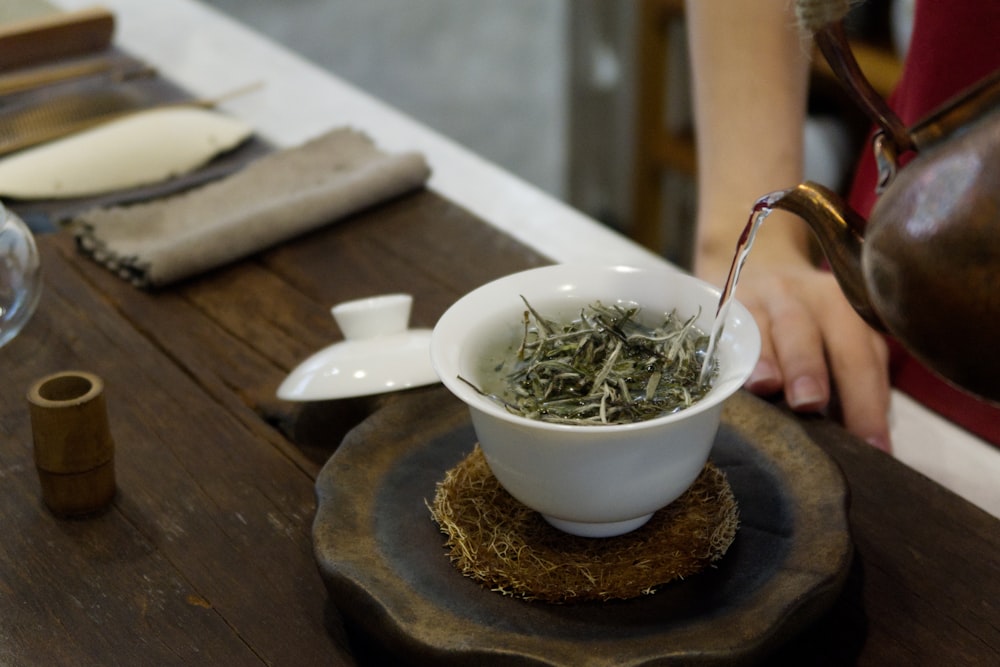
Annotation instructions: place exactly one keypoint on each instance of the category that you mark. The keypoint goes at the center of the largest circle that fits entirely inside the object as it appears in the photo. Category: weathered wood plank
(206, 555)
(925, 587)
(206, 552)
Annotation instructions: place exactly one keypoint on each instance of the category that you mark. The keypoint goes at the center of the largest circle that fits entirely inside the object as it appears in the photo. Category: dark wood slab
(205, 556)
(54, 35)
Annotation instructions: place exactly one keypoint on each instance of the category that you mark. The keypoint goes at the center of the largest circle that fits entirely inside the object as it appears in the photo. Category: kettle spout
(840, 233)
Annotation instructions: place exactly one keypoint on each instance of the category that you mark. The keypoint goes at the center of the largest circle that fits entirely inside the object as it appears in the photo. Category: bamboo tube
(73, 448)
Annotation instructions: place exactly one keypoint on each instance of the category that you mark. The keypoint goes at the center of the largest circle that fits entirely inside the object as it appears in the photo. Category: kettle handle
(824, 20)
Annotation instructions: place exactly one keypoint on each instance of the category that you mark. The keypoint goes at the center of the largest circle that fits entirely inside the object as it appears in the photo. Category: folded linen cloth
(277, 197)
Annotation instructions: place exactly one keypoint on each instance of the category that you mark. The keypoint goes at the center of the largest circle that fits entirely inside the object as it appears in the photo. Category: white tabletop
(209, 53)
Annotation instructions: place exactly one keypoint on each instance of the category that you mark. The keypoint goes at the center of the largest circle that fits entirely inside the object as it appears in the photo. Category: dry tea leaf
(606, 367)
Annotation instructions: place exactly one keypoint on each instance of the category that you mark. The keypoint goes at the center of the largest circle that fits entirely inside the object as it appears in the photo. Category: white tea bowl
(590, 480)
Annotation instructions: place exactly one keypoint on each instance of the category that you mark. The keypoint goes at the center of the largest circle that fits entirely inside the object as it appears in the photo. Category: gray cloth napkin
(277, 197)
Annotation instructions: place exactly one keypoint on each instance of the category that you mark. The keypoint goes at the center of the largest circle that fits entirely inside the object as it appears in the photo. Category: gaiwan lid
(379, 354)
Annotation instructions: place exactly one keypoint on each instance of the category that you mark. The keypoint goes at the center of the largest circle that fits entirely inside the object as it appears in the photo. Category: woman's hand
(810, 335)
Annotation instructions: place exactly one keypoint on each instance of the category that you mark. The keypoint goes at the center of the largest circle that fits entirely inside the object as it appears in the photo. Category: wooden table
(206, 555)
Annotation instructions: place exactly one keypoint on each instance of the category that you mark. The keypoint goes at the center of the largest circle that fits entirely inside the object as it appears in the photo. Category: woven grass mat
(509, 548)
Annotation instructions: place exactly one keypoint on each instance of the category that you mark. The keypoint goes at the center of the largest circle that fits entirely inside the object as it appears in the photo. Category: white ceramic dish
(379, 354)
(603, 480)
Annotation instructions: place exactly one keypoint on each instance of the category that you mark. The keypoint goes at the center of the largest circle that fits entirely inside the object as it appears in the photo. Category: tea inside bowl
(611, 364)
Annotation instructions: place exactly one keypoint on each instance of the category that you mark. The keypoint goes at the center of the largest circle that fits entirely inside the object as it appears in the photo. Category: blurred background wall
(586, 99)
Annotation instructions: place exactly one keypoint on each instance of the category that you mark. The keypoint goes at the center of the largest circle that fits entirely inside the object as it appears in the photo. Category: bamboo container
(73, 448)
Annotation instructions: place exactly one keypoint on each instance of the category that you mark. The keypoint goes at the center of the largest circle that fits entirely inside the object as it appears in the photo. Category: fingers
(859, 364)
(766, 378)
(799, 347)
(810, 338)
(792, 356)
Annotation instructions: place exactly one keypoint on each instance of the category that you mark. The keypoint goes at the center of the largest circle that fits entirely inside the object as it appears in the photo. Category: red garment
(954, 45)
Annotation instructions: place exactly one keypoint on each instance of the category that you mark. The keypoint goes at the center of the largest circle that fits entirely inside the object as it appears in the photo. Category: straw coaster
(511, 549)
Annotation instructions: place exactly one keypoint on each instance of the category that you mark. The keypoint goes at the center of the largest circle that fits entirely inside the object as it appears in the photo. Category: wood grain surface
(206, 557)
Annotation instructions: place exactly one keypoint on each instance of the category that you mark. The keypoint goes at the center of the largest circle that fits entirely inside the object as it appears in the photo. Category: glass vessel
(20, 275)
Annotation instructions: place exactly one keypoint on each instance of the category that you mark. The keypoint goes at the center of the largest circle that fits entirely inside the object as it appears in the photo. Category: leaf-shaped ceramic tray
(383, 560)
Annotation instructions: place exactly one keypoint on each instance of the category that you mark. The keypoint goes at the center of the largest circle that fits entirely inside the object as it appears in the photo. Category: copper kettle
(926, 266)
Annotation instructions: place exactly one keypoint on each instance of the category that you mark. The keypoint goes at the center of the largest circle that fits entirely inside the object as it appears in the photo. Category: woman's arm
(750, 77)
(749, 71)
